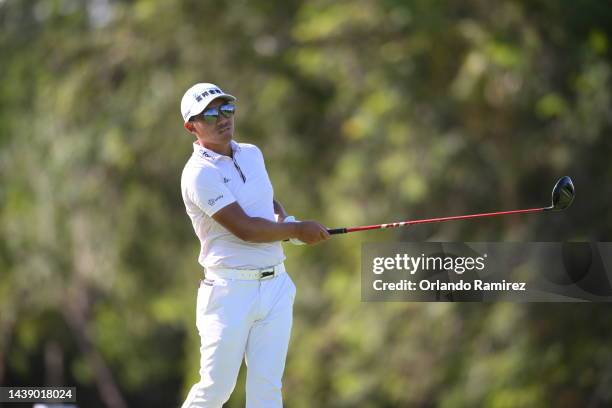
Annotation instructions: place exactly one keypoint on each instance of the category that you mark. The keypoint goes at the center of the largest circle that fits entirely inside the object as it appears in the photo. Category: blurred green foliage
(366, 111)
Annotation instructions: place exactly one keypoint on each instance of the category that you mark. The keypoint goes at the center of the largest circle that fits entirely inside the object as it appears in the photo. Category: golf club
(562, 196)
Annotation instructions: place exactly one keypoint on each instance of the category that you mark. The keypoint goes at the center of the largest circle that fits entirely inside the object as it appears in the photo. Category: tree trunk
(76, 312)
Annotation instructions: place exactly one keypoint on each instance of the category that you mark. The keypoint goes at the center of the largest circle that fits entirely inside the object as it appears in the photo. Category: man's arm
(256, 229)
(279, 210)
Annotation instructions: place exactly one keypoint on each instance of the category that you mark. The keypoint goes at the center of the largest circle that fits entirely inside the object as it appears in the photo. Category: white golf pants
(236, 319)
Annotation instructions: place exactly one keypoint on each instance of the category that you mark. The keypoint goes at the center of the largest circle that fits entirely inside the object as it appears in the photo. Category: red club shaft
(428, 220)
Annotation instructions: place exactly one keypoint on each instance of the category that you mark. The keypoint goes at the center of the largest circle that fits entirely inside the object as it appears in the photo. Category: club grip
(337, 231)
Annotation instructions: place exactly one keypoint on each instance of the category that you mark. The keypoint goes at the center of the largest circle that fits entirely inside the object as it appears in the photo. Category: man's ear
(189, 127)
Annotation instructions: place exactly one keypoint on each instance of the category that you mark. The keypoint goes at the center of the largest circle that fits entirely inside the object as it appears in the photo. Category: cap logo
(199, 96)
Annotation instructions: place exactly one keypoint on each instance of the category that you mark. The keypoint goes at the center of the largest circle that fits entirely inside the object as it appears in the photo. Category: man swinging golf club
(245, 303)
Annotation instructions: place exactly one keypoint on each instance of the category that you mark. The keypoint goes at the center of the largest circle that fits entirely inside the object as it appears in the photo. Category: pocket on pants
(205, 294)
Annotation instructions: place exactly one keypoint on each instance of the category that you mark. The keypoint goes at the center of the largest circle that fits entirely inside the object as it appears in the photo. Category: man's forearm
(256, 229)
(262, 230)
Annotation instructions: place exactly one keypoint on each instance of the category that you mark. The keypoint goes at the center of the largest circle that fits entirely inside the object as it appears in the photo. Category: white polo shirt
(209, 182)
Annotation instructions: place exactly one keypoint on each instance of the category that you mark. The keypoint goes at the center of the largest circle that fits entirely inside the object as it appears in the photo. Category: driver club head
(563, 194)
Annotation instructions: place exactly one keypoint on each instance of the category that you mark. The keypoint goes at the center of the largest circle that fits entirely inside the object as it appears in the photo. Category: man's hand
(311, 232)
(291, 218)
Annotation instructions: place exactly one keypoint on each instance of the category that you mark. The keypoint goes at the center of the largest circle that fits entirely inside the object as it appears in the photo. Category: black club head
(563, 194)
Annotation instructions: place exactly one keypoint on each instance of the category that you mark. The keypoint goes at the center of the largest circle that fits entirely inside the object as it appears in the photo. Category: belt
(245, 274)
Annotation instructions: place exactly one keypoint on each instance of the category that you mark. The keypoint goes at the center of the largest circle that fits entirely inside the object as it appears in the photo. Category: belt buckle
(266, 274)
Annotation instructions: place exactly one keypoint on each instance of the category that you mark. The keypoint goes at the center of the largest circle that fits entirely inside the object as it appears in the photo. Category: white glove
(294, 241)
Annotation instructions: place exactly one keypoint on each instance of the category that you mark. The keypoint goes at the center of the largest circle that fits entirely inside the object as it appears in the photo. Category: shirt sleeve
(208, 192)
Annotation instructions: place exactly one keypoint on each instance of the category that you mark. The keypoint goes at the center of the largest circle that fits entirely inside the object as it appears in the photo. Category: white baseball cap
(197, 98)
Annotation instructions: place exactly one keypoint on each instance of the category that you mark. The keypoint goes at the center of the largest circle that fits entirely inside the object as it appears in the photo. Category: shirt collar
(208, 154)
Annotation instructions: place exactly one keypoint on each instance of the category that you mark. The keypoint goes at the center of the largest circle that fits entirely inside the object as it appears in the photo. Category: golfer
(245, 303)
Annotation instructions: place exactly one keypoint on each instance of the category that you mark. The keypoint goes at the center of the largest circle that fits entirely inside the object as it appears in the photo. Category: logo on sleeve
(212, 201)
(226, 180)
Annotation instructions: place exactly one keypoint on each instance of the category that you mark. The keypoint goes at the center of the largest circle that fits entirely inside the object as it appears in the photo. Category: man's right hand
(311, 232)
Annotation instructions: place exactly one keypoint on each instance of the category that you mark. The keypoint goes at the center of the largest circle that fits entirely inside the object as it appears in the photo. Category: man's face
(220, 131)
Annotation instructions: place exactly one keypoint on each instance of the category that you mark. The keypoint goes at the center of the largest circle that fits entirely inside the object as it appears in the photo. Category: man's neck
(224, 149)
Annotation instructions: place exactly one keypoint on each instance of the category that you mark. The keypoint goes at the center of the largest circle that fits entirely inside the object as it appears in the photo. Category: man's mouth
(224, 129)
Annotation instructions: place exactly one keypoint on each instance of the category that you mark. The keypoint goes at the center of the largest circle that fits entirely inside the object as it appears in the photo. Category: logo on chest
(212, 201)
(226, 180)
